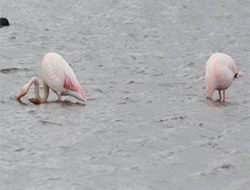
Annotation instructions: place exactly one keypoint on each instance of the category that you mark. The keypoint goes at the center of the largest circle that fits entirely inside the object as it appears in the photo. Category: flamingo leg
(224, 95)
(59, 97)
(219, 94)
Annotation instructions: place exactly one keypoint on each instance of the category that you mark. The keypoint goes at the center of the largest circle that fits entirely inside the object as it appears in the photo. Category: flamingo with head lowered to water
(57, 75)
(220, 73)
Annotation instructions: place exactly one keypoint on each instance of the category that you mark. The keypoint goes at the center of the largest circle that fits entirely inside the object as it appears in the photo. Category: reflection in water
(147, 124)
(216, 103)
(64, 103)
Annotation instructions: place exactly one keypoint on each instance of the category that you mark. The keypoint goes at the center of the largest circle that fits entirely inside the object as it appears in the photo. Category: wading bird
(57, 75)
(220, 73)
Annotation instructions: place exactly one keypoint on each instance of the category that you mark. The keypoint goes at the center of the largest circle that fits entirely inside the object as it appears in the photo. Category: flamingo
(220, 73)
(57, 75)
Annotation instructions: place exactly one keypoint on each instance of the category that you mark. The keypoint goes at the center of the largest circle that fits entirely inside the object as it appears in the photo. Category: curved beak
(19, 96)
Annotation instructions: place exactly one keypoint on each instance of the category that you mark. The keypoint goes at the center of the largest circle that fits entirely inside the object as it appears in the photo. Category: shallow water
(147, 124)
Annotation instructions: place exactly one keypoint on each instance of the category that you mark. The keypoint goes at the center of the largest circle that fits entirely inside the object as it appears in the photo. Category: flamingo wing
(71, 84)
(59, 76)
(53, 72)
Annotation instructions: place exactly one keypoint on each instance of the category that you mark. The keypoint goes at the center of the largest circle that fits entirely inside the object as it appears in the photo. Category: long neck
(209, 90)
(45, 95)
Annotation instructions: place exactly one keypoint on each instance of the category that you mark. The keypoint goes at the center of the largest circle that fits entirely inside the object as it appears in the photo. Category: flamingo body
(220, 73)
(57, 75)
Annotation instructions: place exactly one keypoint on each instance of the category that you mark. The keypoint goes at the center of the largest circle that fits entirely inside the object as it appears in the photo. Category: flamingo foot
(35, 101)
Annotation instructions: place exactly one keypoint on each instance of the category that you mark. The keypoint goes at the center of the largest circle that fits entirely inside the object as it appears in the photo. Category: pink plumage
(57, 75)
(220, 73)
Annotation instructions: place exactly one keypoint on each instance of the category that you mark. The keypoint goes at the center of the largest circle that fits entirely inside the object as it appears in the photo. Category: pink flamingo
(57, 75)
(220, 73)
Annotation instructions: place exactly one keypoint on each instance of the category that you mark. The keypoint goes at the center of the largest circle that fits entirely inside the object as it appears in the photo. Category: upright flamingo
(220, 73)
(57, 75)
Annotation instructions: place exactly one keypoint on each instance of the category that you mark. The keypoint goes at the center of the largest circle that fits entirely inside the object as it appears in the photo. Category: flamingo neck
(210, 93)
(45, 95)
(209, 89)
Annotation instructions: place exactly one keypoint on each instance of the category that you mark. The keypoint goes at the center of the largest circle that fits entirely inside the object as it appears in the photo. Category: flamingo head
(23, 92)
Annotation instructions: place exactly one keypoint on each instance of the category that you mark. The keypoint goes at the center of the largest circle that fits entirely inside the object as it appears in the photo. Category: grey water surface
(147, 124)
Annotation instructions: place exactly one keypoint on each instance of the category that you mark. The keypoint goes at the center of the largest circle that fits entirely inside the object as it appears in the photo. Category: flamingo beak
(19, 96)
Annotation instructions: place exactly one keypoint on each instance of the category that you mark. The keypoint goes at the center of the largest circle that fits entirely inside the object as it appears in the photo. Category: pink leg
(224, 95)
(59, 97)
(219, 94)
